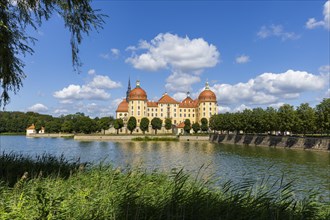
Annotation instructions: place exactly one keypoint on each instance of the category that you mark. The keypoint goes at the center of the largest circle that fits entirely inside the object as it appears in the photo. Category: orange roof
(152, 104)
(32, 127)
(137, 94)
(181, 125)
(188, 103)
(123, 106)
(166, 99)
(207, 96)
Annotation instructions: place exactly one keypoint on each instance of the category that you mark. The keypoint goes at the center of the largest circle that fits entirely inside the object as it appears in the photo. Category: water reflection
(309, 169)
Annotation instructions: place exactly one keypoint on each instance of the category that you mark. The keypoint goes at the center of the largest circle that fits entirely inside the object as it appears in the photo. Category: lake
(308, 169)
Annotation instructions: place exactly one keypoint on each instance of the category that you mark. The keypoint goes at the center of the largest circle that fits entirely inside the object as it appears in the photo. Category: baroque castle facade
(137, 104)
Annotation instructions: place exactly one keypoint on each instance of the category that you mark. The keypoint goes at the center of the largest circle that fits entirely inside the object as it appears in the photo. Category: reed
(106, 192)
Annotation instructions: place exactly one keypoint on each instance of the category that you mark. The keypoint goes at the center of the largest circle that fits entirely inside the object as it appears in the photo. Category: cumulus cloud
(104, 82)
(91, 72)
(77, 92)
(325, 69)
(242, 59)
(276, 31)
(241, 108)
(179, 96)
(38, 108)
(325, 23)
(114, 53)
(184, 57)
(224, 109)
(93, 90)
(269, 88)
(181, 82)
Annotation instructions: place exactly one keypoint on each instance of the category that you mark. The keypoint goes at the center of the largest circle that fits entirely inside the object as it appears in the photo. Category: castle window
(175, 110)
(193, 115)
(161, 114)
(138, 107)
(152, 114)
(132, 107)
(120, 114)
(152, 109)
(148, 114)
(180, 110)
(203, 103)
(138, 112)
(184, 110)
(189, 115)
(204, 114)
(174, 114)
(174, 121)
(156, 114)
(184, 115)
(161, 109)
(188, 110)
(132, 113)
(180, 115)
(210, 109)
(125, 114)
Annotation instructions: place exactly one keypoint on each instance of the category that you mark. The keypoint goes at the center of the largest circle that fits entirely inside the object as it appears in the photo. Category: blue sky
(253, 53)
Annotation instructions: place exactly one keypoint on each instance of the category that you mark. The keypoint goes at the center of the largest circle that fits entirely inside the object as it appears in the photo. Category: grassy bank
(104, 192)
(13, 133)
(147, 138)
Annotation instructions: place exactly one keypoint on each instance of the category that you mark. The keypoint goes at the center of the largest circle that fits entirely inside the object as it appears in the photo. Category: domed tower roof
(207, 95)
(123, 106)
(137, 93)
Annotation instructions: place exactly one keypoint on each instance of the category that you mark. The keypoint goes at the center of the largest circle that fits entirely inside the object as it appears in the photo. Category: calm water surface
(310, 170)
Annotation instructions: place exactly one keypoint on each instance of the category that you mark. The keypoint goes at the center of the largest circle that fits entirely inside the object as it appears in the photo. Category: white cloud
(325, 69)
(224, 109)
(77, 92)
(60, 111)
(104, 82)
(313, 23)
(115, 52)
(184, 57)
(105, 56)
(269, 88)
(91, 72)
(38, 108)
(181, 82)
(168, 50)
(241, 108)
(327, 94)
(242, 59)
(276, 31)
(277, 105)
(179, 96)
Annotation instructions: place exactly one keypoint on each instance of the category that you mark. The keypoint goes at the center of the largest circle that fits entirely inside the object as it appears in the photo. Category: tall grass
(105, 192)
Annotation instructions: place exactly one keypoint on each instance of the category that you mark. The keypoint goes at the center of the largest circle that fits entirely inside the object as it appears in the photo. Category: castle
(136, 104)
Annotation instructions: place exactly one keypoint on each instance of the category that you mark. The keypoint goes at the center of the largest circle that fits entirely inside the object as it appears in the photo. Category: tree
(144, 124)
(67, 127)
(131, 124)
(118, 124)
(104, 123)
(156, 124)
(306, 122)
(323, 116)
(168, 124)
(187, 126)
(286, 118)
(196, 127)
(16, 18)
(271, 119)
(204, 125)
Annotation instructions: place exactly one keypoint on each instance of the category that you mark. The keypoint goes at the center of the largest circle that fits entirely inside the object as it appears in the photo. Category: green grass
(147, 138)
(105, 192)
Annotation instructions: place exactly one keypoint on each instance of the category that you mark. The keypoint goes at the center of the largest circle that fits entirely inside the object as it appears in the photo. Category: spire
(188, 94)
(207, 87)
(128, 89)
(137, 83)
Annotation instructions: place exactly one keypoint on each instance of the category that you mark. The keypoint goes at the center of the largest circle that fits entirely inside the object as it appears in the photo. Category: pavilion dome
(137, 93)
(123, 106)
(207, 95)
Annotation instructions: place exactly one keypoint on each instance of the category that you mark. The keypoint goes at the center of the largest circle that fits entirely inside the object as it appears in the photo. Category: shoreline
(288, 142)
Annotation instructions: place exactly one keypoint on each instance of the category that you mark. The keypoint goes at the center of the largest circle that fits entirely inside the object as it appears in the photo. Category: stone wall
(313, 143)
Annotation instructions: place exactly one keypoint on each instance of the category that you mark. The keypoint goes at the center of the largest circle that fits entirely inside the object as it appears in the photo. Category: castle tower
(128, 89)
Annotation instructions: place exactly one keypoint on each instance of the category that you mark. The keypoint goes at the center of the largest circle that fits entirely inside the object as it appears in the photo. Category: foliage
(104, 123)
(104, 192)
(304, 120)
(144, 124)
(204, 125)
(196, 127)
(156, 124)
(168, 123)
(131, 124)
(187, 126)
(323, 116)
(16, 17)
(118, 124)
